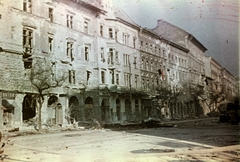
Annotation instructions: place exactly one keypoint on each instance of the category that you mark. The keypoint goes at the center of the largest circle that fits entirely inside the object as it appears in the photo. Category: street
(189, 141)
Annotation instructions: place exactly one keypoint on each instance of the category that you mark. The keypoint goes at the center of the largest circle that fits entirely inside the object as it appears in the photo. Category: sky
(215, 23)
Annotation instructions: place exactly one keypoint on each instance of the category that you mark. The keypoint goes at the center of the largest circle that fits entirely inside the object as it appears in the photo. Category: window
(116, 35)
(27, 48)
(101, 30)
(125, 38)
(134, 42)
(126, 59)
(88, 77)
(102, 54)
(50, 44)
(103, 77)
(151, 68)
(116, 57)
(141, 45)
(127, 79)
(70, 50)
(143, 84)
(146, 47)
(27, 40)
(136, 81)
(117, 79)
(50, 14)
(112, 76)
(86, 52)
(135, 62)
(110, 56)
(150, 48)
(110, 32)
(69, 21)
(27, 6)
(85, 25)
(71, 77)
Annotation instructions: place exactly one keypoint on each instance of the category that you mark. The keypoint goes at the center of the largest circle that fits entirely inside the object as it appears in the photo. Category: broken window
(50, 14)
(71, 77)
(27, 6)
(69, 21)
(110, 31)
(27, 47)
(70, 50)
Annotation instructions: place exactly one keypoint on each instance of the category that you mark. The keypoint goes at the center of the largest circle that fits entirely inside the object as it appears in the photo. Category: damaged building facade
(114, 67)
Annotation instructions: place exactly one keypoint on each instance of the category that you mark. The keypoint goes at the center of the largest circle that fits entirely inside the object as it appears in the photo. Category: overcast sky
(215, 23)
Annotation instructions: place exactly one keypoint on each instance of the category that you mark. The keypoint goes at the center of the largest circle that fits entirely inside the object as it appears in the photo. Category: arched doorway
(89, 113)
(128, 109)
(54, 111)
(74, 111)
(28, 107)
(118, 110)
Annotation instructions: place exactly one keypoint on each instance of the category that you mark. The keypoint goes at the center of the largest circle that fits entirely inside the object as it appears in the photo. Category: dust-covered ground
(194, 140)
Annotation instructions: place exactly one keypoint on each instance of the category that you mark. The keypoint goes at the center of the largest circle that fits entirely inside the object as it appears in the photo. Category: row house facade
(113, 67)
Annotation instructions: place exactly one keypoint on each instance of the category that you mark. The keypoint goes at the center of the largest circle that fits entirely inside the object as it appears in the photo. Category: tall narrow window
(69, 21)
(102, 54)
(50, 14)
(126, 59)
(50, 44)
(135, 62)
(134, 42)
(85, 24)
(88, 77)
(116, 57)
(110, 32)
(27, 6)
(102, 77)
(27, 40)
(86, 52)
(125, 38)
(113, 78)
(117, 79)
(71, 77)
(27, 48)
(101, 30)
(136, 81)
(116, 35)
(110, 56)
(70, 50)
